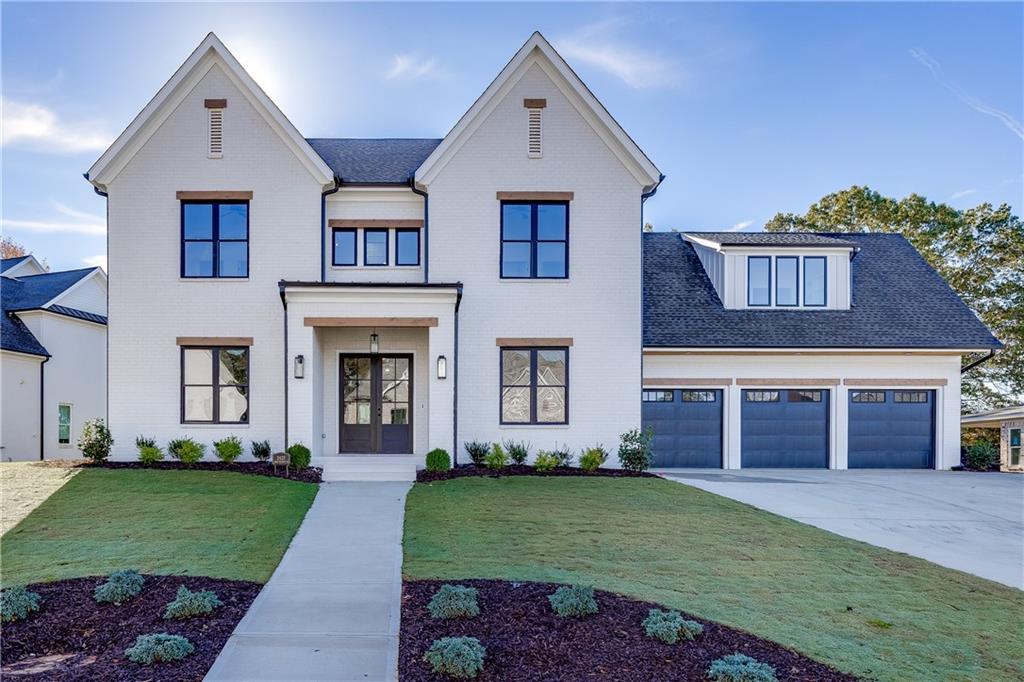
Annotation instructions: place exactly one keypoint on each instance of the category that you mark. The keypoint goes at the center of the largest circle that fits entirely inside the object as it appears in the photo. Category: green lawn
(824, 595)
(216, 524)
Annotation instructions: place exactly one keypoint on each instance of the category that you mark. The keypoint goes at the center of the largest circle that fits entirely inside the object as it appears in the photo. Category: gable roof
(777, 239)
(210, 51)
(8, 263)
(899, 301)
(12, 266)
(384, 161)
(35, 291)
(537, 50)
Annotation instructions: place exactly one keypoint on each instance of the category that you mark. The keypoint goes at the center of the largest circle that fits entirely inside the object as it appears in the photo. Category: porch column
(442, 391)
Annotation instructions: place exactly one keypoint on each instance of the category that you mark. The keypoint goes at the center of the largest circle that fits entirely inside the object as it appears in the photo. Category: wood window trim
(535, 103)
(534, 341)
(370, 322)
(534, 386)
(535, 196)
(875, 383)
(781, 384)
(234, 341)
(215, 103)
(213, 195)
(352, 223)
(687, 382)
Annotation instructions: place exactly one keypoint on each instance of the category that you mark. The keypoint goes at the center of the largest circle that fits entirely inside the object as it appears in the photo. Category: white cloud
(38, 128)
(411, 67)
(81, 223)
(740, 226)
(963, 193)
(99, 261)
(595, 45)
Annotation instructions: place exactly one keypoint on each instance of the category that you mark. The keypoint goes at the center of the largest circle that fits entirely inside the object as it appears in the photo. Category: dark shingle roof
(387, 161)
(771, 239)
(33, 291)
(8, 263)
(15, 336)
(899, 301)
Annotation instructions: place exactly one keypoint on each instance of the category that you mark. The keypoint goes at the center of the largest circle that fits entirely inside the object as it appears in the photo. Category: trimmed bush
(120, 587)
(454, 601)
(187, 603)
(144, 442)
(635, 450)
(573, 601)
(741, 668)
(228, 449)
(16, 603)
(158, 648)
(260, 450)
(459, 657)
(150, 454)
(478, 451)
(670, 626)
(563, 455)
(299, 455)
(438, 460)
(496, 458)
(545, 461)
(186, 450)
(95, 441)
(593, 458)
(518, 451)
(981, 456)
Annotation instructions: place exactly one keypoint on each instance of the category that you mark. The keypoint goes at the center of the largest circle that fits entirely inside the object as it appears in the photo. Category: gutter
(284, 305)
(323, 227)
(988, 356)
(42, 404)
(426, 229)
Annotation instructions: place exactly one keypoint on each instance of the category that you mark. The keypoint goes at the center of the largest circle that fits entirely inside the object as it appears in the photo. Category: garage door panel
(896, 430)
(687, 433)
(784, 429)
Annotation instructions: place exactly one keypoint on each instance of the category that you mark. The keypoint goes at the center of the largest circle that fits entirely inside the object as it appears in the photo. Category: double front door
(376, 404)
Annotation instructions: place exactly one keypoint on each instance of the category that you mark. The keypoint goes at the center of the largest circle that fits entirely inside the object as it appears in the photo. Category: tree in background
(11, 248)
(979, 251)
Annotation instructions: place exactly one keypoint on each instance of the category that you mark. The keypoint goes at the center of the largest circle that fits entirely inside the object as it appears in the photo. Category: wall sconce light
(374, 343)
(300, 366)
(442, 367)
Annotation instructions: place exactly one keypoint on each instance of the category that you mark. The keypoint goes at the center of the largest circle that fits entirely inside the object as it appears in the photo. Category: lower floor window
(1015, 447)
(805, 396)
(698, 396)
(868, 396)
(657, 396)
(215, 385)
(63, 424)
(910, 396)
(534, 385)
(761, 396)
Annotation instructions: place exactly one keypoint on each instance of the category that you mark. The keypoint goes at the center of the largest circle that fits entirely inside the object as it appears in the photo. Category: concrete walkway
(972, 522)
(331, 610)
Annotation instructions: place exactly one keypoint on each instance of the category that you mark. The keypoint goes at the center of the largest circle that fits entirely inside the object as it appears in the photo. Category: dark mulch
(424, 476)
(526, 641)
(307, 475)
(72, 637)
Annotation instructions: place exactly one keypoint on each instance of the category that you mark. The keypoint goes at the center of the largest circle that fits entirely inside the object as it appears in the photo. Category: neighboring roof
(22, 265)
(786, 239)
(993, 418)
(8, 263)
(35, 291)
(899, 301)
(78, 314)
(385, 161)
(15, 336)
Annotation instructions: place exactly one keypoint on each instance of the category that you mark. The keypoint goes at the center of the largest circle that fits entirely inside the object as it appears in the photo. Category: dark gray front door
(687, 426)
(376, 404)
(784, 428)
(892, 429)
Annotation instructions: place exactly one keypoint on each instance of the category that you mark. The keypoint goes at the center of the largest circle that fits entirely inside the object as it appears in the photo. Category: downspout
(284, 305)
(643, 199)
(426, 232)
(106, 332)
(991, 353)
(42, 405)
(455, 384)
(323, 227)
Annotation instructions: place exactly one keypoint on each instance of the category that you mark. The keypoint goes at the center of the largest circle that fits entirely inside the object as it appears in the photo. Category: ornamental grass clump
(670, 626)
(186, 450)
(497, 458)
(459, 657)
(227, 449)
(120, 587)
(478, 451)
(573, 601)
(158, 648)
(187, 603)
(545, 461)
(16, 603)
(518, 451)
(438, 460)
(593, 458)
(454, 601)
(299, 456)
(260, 450)
(741, 668)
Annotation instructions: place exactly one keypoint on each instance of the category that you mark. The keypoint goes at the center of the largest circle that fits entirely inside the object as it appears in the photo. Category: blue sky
(749, 109)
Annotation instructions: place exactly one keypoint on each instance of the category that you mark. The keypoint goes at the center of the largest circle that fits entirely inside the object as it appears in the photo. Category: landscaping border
(305, 475)
(468, 470)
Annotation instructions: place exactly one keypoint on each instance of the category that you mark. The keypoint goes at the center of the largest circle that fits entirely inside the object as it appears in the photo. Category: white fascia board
(12, 271)
(383, 295)
(818, 350)
(25, 356)
(760, 249)
(97, 273)
(54, 315)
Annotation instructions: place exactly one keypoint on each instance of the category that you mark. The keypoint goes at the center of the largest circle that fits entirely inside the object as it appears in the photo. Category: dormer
(777, 270)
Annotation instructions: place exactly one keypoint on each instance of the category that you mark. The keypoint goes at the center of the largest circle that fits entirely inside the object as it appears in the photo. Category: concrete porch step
(368, 467)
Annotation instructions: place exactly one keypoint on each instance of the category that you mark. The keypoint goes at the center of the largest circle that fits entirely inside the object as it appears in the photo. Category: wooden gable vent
(534, 109)
(216, 114)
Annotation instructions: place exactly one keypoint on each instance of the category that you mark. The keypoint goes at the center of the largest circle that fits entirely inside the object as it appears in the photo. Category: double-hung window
(534, 385)
(64, 424)
(215, 239)
(214, 385)
(534, 239)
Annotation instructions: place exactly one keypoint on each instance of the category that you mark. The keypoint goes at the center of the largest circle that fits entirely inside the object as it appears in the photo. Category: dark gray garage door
(892, 429)
(687, 427)
(784, 428)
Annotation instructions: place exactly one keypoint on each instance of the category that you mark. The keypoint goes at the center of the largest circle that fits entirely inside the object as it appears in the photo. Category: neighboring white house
(1010, 422)
(391, 296)
(54, 358)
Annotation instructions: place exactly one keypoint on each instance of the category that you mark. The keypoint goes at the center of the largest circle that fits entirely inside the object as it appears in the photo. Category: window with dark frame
(534, 239)
(344, 252)
(759, 281)
(214, 385)
(910, 396)
(534, 385)
(407, 246)
(658, 396)
(375, 247)
(787, 277)
(698, 396)
(815, 279)
(868, 396)
(215, 239)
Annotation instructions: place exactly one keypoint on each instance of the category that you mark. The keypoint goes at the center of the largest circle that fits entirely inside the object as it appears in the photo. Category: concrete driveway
(972, 522)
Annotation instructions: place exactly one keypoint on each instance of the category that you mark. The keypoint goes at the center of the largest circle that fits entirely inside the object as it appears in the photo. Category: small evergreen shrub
(228, 449)
(158, 648)
(670, 626)
(16, 603)
(150, 454)
(186, 450)
(478, 451)
(454, 601)
(95, 441)
(545, 461)
(145, 442)
(496, 458)
(593, 458)
(741, 668)
(981, 456)
(120, 587)
(635, 449)
(188, 603)
(260, 450)
(573, 601)
(518, 451)
(299, 455)
(438, 460)
(459, 657)
(563, 455)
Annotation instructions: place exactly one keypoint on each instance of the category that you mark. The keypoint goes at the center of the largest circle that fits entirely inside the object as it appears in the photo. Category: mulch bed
(526, 641)
(307, 475)
(424, 476)
(71, 637)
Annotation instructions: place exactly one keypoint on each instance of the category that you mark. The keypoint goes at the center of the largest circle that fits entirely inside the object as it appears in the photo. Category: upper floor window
(215, 385)
(784, 275)
(534, 240)
(534, 385)
(407, 246)
(215, 239)
(814, 281)
(344, 246)
(375, 247)
(759, 281)
(787, 274)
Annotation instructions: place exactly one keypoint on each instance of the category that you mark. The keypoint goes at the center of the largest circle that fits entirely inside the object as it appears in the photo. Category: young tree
(9, 248)
(979, 251)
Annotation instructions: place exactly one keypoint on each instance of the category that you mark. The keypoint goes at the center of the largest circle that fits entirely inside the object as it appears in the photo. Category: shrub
(635, 449)
(188, 603)
(740, 668)
(228, 449)
(261, 450)
(563, 455)
(144, 442)
(454, 601)
(299, 455)
(186, 450)
(573, 601)
(670, 626)
(150, 454)
(593, 458)
(120, 587)
(981, 456)
(545, 461)
(16, 603)
(157, 648)
(460, 657)
(96, 441)
(496, 458)
(438, 460)
(518, 451)
(478, 451)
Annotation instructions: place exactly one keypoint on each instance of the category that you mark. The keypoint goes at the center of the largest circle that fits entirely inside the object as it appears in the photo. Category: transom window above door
(534, 385)
(534, 239)
(215, 239)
